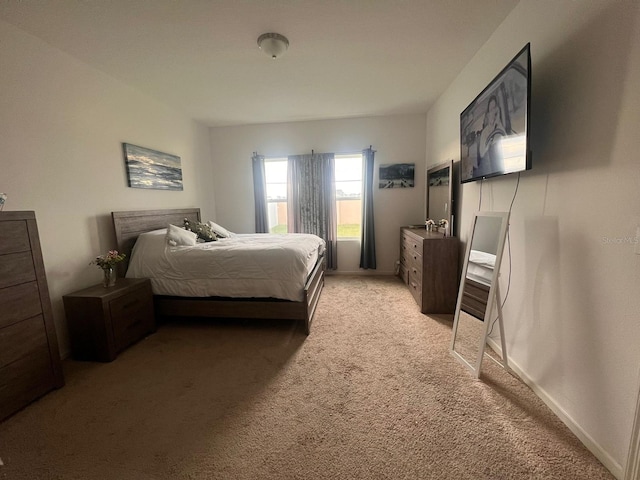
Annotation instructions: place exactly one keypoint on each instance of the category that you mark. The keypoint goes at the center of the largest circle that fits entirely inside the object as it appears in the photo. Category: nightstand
(103, 321)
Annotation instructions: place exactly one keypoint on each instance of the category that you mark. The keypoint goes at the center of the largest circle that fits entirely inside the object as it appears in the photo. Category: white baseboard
(632, 470)
(614, 467)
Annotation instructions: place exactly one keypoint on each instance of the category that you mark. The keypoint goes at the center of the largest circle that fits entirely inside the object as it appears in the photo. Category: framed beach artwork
(147, 168)
(396, 175)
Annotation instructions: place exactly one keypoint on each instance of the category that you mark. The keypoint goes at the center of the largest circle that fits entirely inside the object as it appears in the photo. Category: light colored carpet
(372, 393)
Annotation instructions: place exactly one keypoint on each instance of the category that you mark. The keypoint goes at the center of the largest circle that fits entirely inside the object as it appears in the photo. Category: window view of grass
(279, 229)
(349, 231)
(344, 231)
(348, 191)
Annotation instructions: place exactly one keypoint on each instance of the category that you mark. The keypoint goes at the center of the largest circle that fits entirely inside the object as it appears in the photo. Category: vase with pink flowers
(108, 265)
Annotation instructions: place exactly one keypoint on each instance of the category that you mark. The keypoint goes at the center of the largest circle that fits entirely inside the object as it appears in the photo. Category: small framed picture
(3, 200)
(397, 175)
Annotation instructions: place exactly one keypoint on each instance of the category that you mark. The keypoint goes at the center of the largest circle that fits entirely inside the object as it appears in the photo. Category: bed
(297, 303)
(478, 282)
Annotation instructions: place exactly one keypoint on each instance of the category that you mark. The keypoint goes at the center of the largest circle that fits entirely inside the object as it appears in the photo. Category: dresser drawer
(404, 273)
(415, 259)
(405, 257)
(21, 339)
(415, 286)
(131, 317)
(415, 270)
(412, 244)
(14, 237)
(19, 302)
(24, 380)
(16, 268)
(404, 248)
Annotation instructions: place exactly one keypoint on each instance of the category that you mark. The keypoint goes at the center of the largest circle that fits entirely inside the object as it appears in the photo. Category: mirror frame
(430, 172)
(494, 292)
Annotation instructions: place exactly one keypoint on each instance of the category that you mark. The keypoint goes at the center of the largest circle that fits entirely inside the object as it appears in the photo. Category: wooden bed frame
(128, 225)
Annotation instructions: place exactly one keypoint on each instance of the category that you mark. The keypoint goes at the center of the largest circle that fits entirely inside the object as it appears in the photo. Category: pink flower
(109, 260)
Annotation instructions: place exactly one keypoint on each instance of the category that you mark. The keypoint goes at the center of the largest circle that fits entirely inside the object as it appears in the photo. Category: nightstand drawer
(131, 317)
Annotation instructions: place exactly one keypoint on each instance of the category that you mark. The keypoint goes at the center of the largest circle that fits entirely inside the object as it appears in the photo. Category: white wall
(396, 139)
(63, 124)
(571, 317)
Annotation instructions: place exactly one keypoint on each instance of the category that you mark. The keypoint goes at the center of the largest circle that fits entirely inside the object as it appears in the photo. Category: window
(348, 185)
(275, 170)
(349, 195)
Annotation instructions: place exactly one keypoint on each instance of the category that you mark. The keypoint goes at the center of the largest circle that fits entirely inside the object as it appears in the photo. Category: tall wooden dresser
(29, 358)
(429, 266)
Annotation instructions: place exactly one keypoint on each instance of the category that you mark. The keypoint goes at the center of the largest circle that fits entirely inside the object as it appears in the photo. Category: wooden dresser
(29, 357)
(429, 266)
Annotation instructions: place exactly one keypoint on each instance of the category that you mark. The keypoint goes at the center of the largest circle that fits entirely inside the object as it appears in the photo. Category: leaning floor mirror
(479, 290)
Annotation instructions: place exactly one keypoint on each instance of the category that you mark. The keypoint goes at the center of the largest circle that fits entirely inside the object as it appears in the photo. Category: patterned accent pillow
(220, 231)
(202, 230)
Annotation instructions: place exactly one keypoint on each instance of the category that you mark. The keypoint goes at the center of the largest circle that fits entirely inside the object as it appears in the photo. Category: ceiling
(347, 58)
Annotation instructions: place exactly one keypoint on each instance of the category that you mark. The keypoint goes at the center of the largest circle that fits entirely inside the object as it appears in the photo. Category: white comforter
(242, 266)
(480, 266)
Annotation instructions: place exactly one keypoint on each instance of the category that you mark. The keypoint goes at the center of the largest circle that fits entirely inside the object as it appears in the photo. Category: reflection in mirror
(481, 264)
(479, 289)
(440, 193)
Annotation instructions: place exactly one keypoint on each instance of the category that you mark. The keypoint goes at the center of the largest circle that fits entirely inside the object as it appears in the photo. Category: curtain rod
(352, 152)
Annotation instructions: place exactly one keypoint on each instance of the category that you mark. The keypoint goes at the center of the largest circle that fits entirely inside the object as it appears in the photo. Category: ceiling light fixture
(273, 44)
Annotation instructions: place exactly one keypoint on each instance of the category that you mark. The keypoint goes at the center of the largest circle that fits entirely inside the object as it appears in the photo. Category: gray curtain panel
(312, 200)
(260, 194)
(367, 237)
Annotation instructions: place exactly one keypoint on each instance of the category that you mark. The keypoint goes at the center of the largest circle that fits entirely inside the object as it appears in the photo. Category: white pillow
(177, 236)
(220, 231)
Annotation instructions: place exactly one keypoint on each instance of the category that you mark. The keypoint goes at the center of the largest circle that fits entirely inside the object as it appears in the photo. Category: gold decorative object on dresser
(29, 357)
(429, 266)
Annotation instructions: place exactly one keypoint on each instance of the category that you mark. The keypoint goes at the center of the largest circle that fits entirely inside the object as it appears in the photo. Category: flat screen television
(494, 128)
